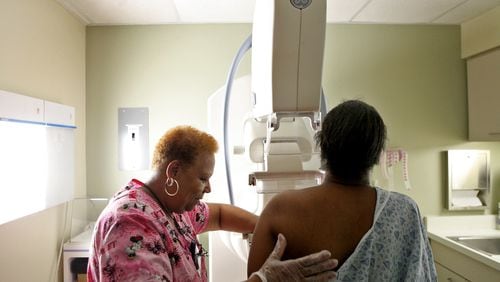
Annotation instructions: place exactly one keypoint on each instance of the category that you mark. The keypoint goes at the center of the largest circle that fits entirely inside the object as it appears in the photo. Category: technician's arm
(230, 218)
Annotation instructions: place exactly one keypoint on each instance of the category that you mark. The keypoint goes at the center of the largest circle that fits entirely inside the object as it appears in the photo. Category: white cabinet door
(454, 265)
(483, 92)
(446, 275)
(21, 108)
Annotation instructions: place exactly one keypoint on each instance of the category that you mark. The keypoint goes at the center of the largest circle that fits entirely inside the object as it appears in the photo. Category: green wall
(415, 77)
(412, 74)
(171, 69)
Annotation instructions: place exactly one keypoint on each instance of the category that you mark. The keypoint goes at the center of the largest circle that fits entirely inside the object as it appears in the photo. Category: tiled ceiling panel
(104, 12)
(405, 11)
(196, 11)
(467, 11)
(125, 12)
(343, 10)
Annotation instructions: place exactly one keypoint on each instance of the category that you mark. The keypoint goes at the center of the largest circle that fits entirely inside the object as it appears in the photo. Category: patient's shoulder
(403, 200)
(281, 200)
(287, 202)
(400, 205)
(290, 197)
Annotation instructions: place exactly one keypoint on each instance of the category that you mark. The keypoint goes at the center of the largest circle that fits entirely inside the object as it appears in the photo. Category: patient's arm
(263, 239)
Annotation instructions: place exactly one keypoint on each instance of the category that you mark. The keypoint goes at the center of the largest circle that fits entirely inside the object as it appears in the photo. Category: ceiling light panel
(215, 11)
(405, 11)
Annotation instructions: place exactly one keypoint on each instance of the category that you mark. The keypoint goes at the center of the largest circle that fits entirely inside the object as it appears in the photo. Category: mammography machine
(265, 122)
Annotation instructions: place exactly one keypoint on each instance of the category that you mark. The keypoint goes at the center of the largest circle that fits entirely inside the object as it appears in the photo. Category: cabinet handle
(493, 133)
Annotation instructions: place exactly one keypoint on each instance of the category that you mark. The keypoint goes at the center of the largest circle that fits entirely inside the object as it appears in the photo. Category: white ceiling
(127, 12)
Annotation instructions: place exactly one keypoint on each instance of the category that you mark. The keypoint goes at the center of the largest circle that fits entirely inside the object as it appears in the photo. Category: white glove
(314, 267)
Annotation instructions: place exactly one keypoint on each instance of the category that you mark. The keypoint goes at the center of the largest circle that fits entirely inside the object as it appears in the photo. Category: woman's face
(194, 181)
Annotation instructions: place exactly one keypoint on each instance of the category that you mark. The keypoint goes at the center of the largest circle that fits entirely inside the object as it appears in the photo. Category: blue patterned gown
(396, 248)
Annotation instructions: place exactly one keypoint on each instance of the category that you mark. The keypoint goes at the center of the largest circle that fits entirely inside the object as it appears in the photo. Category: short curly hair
(183, 143)
(351, 139)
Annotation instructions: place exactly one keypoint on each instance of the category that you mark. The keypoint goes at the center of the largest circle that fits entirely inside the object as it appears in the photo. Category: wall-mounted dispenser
(133, 138)
(468, 179)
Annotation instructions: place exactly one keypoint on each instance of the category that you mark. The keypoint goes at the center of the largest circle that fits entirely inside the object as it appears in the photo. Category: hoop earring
(169, 183)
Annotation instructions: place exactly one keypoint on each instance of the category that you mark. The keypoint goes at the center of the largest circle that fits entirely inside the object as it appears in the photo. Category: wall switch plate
(133, 139)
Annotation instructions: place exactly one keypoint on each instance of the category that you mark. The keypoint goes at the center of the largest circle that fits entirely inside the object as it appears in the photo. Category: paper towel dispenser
(468, 179)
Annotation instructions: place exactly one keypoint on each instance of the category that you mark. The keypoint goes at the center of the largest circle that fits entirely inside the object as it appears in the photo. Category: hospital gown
(396, 248)
(134, 240)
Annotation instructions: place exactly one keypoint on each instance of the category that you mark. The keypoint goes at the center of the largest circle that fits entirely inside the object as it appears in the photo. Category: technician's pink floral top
(134, 240)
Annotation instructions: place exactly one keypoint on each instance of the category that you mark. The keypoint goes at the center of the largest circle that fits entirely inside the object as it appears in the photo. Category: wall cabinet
(483, 93)
(36, 136)
(452, 265)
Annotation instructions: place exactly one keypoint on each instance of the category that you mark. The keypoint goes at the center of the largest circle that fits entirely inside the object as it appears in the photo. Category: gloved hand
(314, 267)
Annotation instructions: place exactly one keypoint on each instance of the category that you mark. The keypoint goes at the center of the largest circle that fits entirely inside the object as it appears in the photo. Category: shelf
(471, 189)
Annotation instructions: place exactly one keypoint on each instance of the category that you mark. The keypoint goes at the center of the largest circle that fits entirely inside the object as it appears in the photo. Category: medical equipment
(266, 122)
(81, 215)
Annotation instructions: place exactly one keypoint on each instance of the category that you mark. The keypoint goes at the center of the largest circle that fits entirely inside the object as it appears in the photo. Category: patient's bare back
(330, 216)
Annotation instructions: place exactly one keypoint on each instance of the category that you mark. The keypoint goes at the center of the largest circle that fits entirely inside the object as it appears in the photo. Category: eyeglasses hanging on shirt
(197, 251)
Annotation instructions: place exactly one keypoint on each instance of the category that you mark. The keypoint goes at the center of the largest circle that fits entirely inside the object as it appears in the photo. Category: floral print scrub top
(134, 240)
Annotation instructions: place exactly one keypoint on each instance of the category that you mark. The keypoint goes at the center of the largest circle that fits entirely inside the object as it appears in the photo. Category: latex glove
(314, 267)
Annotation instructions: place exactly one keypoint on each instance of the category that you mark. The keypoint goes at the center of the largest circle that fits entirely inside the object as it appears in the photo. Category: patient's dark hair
(351, 140)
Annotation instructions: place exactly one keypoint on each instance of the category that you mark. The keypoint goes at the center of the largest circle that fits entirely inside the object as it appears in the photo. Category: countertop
(440, 227)
(79, 243)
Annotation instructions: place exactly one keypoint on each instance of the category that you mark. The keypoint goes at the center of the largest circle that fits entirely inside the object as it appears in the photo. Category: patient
(375, 234)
